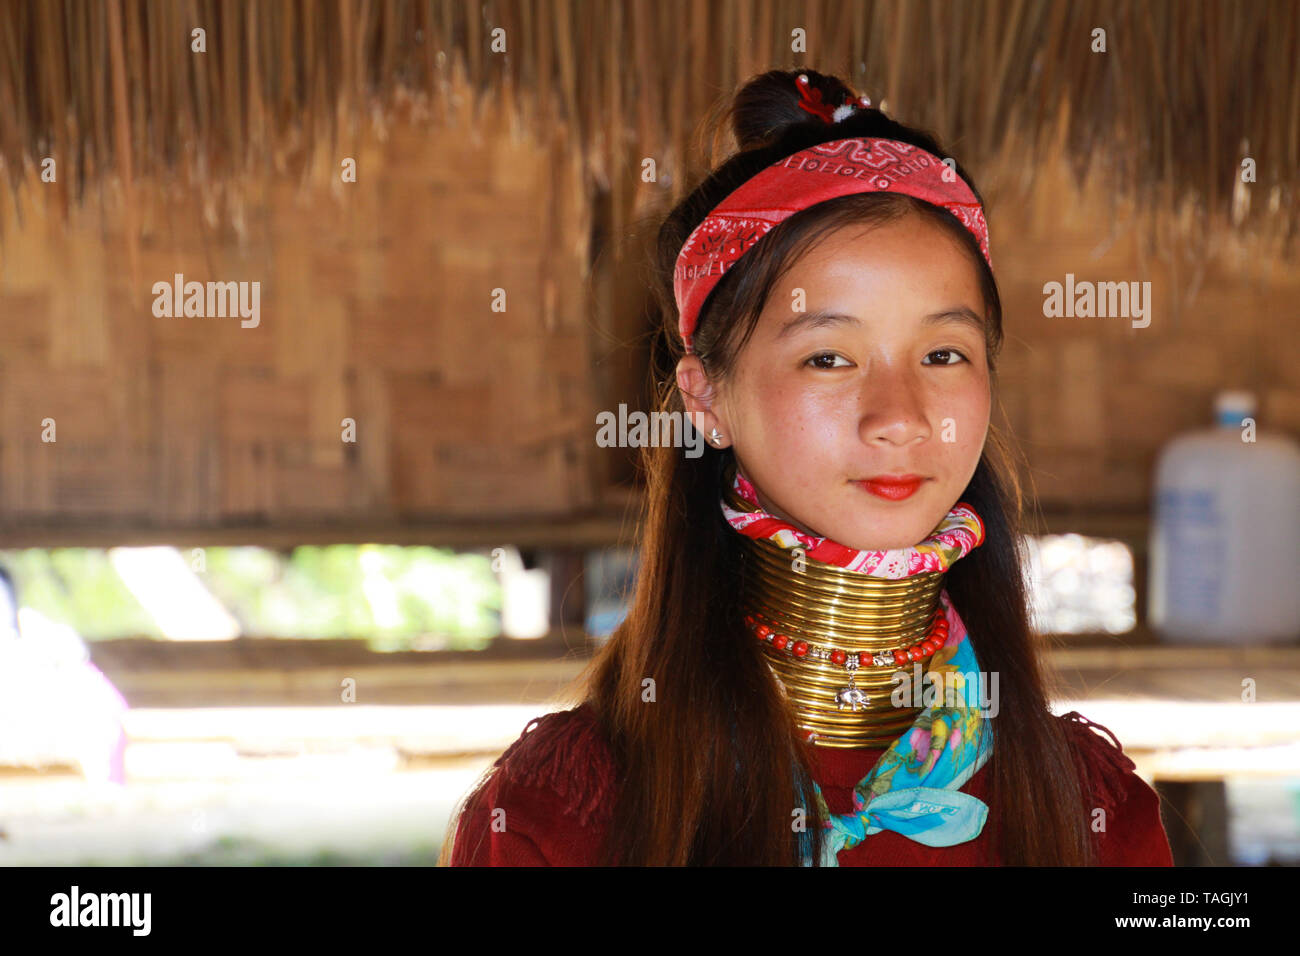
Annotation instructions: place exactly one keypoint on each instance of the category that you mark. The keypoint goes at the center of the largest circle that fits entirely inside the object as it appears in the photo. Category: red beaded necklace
(936, 636)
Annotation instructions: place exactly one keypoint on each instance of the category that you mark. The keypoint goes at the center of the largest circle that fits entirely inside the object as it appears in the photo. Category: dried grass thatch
(1186, 91)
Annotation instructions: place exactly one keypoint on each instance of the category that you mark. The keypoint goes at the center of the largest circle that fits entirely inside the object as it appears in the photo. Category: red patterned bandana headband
(839, 168)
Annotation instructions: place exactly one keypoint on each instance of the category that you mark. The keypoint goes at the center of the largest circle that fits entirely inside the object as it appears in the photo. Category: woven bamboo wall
(1092, 400)
(376, 305)
(376, 301)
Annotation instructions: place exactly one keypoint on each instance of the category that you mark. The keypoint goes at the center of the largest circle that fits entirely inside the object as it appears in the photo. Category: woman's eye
(817, 360)
(946, 353)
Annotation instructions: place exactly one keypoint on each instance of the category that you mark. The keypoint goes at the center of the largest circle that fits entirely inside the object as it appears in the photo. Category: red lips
(892, 487)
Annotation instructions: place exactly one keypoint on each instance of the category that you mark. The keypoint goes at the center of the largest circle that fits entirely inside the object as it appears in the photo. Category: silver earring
(715, 437)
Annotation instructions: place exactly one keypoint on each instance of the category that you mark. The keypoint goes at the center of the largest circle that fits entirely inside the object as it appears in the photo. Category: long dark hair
(712, 769)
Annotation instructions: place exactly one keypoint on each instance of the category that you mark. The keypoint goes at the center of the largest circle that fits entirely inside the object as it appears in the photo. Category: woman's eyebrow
(822, 318)
(816, 319)
(959, 313)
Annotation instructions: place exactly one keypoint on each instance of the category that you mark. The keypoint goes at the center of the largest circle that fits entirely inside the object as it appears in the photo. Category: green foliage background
(442, 599)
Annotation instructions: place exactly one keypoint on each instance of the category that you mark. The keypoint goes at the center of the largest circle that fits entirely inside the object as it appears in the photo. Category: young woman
(793, 683)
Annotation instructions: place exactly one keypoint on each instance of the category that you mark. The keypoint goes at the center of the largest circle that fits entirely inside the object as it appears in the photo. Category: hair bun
(772, 102)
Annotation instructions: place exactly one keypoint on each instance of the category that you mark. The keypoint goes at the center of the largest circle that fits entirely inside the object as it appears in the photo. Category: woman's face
(897, 384)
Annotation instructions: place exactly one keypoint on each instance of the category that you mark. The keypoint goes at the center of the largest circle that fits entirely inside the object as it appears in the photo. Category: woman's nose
(893, 408)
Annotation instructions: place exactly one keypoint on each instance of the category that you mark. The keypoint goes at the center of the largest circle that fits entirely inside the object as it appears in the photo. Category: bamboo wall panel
(1092, 400)
(375, 305)
(480, 170)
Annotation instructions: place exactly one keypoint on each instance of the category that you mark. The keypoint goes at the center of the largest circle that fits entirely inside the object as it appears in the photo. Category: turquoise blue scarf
(914, 788)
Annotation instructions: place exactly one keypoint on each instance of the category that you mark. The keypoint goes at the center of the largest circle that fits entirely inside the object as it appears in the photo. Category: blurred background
(292, 555)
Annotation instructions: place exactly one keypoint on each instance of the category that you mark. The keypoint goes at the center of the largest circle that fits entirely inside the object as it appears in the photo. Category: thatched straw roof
(1183, 94)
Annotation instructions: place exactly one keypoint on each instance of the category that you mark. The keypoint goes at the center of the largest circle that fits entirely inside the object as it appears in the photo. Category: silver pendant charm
(852, 696)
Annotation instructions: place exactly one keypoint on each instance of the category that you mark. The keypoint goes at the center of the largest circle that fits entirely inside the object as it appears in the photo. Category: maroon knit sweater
(557, 782)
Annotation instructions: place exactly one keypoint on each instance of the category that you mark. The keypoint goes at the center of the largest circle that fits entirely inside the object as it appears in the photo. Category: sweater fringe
(566, 753)
(1102, 763)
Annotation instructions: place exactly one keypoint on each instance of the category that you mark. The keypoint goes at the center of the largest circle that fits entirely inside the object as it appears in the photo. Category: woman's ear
(698, 398)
